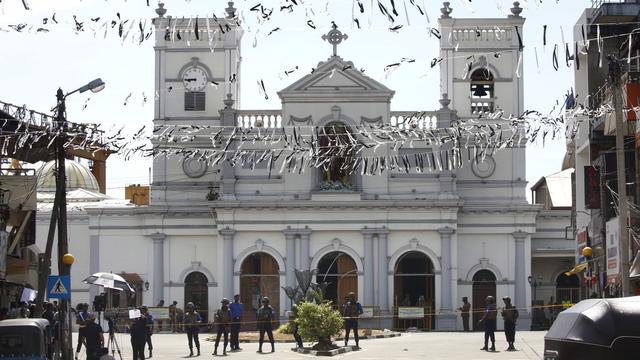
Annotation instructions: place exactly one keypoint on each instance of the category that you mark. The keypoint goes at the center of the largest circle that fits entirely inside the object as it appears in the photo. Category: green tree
(318, 323)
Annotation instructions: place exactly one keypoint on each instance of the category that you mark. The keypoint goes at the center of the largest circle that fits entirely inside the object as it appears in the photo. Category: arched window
(482, 91)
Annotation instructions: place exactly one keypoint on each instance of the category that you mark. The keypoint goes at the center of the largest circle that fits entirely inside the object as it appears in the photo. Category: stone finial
(228, 102)
(516, 9)
(161, 10)
(231, 11)
(446, 10)
(445, 101)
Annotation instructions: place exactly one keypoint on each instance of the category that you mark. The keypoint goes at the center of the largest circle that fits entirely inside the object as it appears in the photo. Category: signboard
(613, 251)
(59, 287)
(367, 312)
(410, 312)
(159, 313)
(591, 187)
(581, 241)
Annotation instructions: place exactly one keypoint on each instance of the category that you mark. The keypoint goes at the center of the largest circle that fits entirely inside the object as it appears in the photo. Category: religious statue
(336, 171)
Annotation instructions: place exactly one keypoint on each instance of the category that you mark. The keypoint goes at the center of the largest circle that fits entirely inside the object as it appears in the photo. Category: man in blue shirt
(236, 319)
(150, 321)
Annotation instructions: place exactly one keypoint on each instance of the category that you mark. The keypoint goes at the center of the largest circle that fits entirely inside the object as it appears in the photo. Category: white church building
(397, 239)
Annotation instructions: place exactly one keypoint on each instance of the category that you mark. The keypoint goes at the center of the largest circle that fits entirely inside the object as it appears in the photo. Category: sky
(34, 64)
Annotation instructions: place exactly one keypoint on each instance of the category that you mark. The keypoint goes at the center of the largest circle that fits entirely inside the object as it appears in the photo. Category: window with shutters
(194, 101)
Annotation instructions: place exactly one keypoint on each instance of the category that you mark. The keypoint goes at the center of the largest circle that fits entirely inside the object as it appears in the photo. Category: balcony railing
(267, 119)
(414, 119)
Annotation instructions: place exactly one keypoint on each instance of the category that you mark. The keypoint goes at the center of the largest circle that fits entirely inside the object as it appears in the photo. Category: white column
(158, 266)
(227, 261)
(383, 272)
(305, 262)
(367, 234)
(290, 260)
(446, 320)
(520, 280)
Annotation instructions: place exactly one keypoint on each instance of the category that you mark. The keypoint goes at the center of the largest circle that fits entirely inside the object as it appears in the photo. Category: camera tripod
(112, 342)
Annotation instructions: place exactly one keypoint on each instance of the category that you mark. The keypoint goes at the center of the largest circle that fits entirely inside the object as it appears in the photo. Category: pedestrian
(465, 313)
(138, 332)
(351, 311)
(82, 314)
(265, 317)
(294, 327)
(222, 320)
(510, 316)
(172, 316)
(192, 322)
(150, 321)
(489, 321)
(50, 316)
(93, 337)
(159, 322)
(237, 309)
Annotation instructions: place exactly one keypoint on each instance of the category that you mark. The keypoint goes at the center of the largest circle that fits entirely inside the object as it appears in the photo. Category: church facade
(398, 239)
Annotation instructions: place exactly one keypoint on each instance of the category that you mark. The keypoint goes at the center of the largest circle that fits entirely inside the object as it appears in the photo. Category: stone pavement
(432, 346)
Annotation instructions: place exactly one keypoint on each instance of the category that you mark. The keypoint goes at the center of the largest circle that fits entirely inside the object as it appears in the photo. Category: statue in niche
(335, 143)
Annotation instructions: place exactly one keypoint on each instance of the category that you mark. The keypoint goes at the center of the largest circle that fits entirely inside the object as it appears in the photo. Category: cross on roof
(335, 37)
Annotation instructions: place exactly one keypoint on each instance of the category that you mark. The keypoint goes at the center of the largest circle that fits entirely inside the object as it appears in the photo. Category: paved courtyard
(435, 345)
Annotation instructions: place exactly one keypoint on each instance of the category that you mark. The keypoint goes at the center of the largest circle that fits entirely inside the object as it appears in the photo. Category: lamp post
(534, 283)
(59, 216)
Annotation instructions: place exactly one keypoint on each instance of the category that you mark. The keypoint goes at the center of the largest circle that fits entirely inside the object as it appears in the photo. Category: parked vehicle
(596, 329)
(25, 339)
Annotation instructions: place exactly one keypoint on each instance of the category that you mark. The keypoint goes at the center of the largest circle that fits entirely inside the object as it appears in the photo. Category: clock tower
(197, 64)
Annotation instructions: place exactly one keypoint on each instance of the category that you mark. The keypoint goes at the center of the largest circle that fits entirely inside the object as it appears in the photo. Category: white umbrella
(109, 280)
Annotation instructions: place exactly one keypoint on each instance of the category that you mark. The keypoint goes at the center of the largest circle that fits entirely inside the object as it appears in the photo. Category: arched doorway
(339, 270)
(414, 285)
(567, 288)
(259, 277)
(484, 284)
(197, 292)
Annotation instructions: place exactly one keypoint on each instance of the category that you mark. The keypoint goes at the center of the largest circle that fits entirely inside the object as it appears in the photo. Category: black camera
(99, 302)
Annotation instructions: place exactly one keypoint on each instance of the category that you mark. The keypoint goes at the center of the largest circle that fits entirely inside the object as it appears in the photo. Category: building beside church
(398, 239)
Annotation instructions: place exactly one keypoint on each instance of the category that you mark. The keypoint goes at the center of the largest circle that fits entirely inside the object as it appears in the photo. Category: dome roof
(78, 177)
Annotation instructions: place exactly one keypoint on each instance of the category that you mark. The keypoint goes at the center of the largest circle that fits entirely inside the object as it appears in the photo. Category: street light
(59, 213)
(535, 322)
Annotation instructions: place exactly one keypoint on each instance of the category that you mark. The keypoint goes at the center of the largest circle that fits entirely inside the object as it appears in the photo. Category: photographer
(94, 340)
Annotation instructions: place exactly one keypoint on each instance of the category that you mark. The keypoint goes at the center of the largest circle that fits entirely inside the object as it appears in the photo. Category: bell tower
(197, 68)
(481, 63)
(481, 71)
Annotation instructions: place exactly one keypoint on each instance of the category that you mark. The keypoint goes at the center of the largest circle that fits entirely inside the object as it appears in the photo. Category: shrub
(318, 323)
(285, 328)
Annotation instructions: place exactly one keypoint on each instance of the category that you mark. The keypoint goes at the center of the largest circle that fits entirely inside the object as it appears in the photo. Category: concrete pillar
(158, 266)
(446, 320)
(305, 255)
(290, 260)
(383, 272)
(228, 117)
(227, 261)
(520, 280)
(367, 235)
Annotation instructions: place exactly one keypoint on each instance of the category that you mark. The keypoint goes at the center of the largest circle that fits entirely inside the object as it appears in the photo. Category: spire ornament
(446, 10)
(335, 37)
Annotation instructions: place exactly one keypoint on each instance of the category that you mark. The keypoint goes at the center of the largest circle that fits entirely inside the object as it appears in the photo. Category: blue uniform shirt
(236, 310)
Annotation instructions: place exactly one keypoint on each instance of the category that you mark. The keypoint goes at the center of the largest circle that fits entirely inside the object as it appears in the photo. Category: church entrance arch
(484, 284)
(414, 286)
(339, 270)
(197, 292)
(259, 277)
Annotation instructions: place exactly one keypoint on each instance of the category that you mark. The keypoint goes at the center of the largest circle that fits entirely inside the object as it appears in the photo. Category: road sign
(59, 287)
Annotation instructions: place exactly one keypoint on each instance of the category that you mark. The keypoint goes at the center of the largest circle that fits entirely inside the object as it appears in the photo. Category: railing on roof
(267, 119)
(415, 119)
(476, 33)
(598, 3)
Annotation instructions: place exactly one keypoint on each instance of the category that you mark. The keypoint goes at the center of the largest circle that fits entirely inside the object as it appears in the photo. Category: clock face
(194, 79)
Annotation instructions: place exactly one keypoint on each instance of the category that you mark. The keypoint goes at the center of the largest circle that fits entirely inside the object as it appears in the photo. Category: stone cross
(335, 37)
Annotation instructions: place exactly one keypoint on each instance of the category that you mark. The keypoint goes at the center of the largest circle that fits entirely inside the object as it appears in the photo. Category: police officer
(192, 322)
(294, 327)
(351, 311)
(510, 316)
(237, 309)
(223, 320)
(265, 317)
(489, 320)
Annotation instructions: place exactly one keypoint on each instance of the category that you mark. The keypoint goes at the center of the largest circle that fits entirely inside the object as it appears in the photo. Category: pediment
(336, 77)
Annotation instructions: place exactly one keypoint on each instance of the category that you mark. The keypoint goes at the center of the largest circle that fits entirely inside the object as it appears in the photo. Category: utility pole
(623, 211)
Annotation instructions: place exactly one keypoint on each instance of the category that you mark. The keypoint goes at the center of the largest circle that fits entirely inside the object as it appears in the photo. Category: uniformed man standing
(510, 316)
(489, 320)
(192, 322)
(465, 313)
(223, 320)
(351, 311)
(265, 318)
